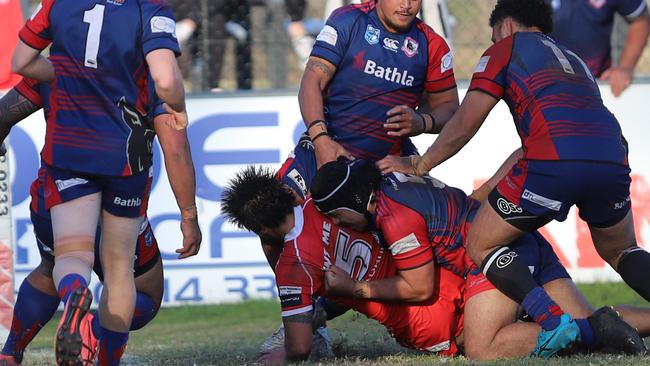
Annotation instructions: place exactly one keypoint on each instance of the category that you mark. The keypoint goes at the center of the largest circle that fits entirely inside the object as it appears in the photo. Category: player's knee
(479, 351)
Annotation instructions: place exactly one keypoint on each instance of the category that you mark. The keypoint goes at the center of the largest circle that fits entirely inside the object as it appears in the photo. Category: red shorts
(431, 326)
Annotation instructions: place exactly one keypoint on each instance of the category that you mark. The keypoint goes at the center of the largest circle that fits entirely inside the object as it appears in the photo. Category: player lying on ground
(257, 202)
(425, 223)
(37, 298)
(574, 153)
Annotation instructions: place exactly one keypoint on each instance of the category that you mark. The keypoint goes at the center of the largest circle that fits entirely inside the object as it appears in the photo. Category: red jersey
(315, 243)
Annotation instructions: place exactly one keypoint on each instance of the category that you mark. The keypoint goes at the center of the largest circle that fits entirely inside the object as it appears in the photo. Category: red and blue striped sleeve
(409, 244)
(36, 31)
(490, 73)
(440, 65)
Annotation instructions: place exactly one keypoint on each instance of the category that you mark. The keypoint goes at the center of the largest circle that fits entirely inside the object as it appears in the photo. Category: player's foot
(89, 341)
(550, 342)
(69, 340)
(613, 333)
(276, 340)
(8, 360)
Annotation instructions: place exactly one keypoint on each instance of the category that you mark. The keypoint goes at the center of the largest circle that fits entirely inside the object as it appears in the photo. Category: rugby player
(37, 298)
(424, 223)
(573, 153)
(314, 243)
(376, 76)
(101, 58)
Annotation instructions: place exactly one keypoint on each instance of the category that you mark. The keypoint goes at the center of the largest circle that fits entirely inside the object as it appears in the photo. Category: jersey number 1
(95, 18)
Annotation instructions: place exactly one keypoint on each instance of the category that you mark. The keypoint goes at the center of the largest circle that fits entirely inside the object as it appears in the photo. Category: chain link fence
(252, 44)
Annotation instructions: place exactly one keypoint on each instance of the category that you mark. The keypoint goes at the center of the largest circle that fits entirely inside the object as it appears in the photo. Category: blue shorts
(124, 196)
(548, 189)
(146, 250)
(300, 167)
(535, 252)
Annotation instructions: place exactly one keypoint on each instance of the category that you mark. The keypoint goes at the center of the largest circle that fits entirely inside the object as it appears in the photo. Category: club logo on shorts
(505, 259)
(551, 204)
(372, 35)
(67, 183)
(410, 47)
(508, 207)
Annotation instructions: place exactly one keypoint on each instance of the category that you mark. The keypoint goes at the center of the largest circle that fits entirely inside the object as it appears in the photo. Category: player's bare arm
(169, 84)
(13, 108)
(462, 126)
(29, 62)
(298, 335)
(180, 172)
(621, 75)
(435, 110)
(413, 285)
(318, 73)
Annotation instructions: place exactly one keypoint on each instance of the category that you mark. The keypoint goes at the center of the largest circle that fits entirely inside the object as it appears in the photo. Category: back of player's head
(345, 184)
(254, 199)
(529, 13)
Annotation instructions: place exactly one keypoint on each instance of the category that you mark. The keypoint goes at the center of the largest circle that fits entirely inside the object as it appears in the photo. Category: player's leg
(505, 269)
(36, 303)
(617, 246)
(125, 201)
(149, 287)
(74, 224)
(606, 207)
(501, 220)
(491, 328)
(637, 317)
(117, 301)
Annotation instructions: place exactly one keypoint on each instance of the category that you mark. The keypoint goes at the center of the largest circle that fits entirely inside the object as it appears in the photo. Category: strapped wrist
(324, 133)
(189, 213)
(316, 122)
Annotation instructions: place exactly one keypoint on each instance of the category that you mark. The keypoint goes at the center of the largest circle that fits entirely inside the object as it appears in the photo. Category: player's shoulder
(352, 12)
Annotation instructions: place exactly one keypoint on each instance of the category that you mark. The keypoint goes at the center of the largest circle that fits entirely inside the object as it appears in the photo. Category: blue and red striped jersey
(35, 92)
(422, 219)
(585, 27)
(554, 100)
(377, 70)
(98, 53)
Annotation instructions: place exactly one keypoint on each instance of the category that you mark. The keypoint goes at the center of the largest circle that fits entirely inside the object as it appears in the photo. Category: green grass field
(231, 334)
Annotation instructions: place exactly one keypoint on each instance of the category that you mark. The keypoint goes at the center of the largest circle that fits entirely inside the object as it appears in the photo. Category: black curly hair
(254, 199)
(529, 13)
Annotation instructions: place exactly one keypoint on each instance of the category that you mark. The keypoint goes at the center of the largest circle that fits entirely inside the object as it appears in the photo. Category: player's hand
(178, 121)
(273, 356)
(328, 150)
(619, 78)
(401, 164)
(191, 238)
(338, 282)
(403, 121)
(3, 149)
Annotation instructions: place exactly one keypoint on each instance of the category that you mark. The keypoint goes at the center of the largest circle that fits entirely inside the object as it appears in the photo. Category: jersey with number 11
(98, 53)
(553, 98)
